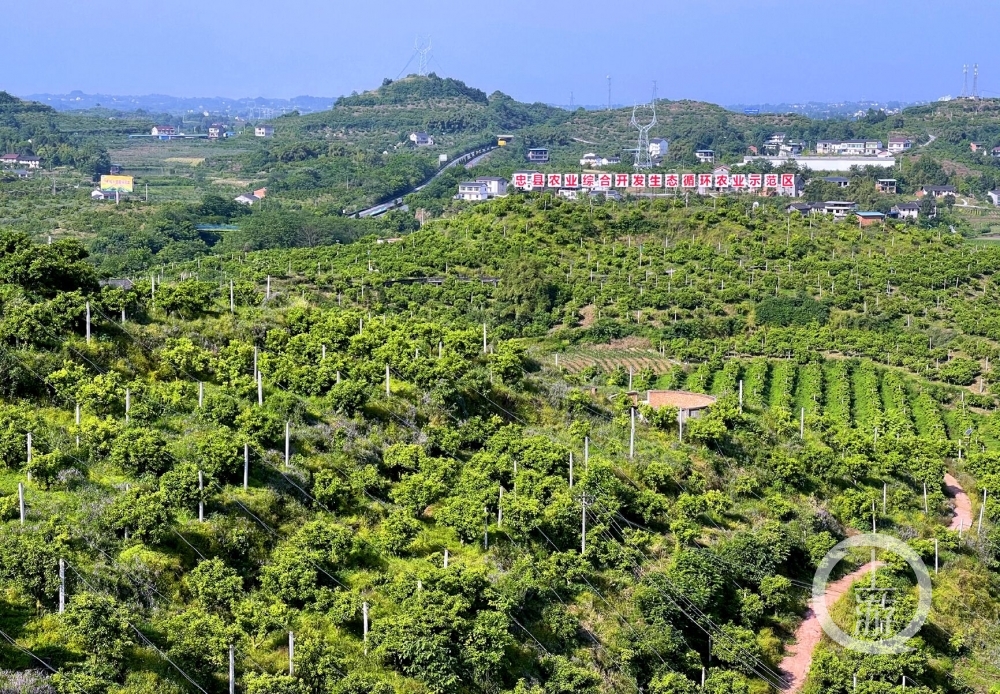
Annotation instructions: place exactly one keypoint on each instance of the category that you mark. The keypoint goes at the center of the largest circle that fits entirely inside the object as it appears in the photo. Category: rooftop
(680, 399)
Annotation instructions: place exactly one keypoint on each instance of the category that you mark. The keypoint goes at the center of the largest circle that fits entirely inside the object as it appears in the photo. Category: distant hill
(822, 109)
(439, 106)
(259, 107)
(32, 128)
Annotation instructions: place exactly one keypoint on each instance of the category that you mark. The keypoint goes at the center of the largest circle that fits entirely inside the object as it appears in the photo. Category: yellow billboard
(123, 184)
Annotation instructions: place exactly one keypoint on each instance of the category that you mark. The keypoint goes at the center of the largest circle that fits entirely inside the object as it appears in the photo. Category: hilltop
(446, 108)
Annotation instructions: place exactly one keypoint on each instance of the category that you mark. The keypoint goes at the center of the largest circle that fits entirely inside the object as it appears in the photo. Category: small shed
(690, 405)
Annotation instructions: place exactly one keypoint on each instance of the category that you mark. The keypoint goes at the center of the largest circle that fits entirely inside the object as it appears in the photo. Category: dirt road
(795, 666)
(963, 505)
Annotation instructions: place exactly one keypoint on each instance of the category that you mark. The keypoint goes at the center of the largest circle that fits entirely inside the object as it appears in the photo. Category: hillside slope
(428, 509)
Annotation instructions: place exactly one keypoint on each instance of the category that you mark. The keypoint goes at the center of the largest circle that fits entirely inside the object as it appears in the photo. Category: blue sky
(725, 51)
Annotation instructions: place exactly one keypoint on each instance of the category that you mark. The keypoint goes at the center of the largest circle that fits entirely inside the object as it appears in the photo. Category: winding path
(795, 666)
(963, 505)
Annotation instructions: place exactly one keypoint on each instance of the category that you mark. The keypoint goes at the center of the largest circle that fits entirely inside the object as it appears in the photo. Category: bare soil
(795, 666)
(963, 505)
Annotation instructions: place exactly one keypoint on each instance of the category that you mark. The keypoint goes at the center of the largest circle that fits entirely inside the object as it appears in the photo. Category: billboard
(122, 184)
(721, 179)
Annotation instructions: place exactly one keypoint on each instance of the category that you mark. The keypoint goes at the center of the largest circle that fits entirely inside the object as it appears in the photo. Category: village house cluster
(22, 164)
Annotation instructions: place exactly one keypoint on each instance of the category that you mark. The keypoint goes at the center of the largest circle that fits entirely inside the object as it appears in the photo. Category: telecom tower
(975, 81)
(643, 160)
(423, 49)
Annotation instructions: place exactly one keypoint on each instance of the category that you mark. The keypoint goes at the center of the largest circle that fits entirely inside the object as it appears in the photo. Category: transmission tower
(975, 81)
(423, 49)
(965, 81)
(643, 160)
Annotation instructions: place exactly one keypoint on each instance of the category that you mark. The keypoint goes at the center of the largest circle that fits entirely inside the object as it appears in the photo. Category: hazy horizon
(721, 51)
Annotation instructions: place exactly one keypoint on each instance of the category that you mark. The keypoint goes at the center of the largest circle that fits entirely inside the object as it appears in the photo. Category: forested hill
(328, 442)
(29, 128)
(439, 106)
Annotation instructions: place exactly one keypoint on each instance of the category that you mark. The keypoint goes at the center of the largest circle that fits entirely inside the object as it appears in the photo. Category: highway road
(386, 205)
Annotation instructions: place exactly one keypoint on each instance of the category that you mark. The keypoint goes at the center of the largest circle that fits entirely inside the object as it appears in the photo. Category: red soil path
(795, 666)
(963, 506)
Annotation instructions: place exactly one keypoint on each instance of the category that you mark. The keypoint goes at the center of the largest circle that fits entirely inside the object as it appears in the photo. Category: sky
(723, 51)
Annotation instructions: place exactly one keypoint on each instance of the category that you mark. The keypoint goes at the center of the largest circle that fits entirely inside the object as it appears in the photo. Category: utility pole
(201, 498)
(583, 516)
(982, 508)
(364, 612)
(288, 442)
(291, 653)
(260, 390)
(631, 436)
(232, 669)
(570, 470)
(88, 322)
(246, 465)
(388, 393)
(62, 586)
(20, 499)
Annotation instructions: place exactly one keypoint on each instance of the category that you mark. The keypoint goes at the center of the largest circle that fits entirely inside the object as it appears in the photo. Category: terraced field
(858, 393)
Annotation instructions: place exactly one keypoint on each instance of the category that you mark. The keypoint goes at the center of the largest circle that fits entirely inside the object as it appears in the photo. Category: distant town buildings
(216, 131)
(263, 131)
(251, 198)
(473, 191)
(496, 186)
(538, 155)
(658, 147)
(838, 208)
(483, 188)
(421, 139)
(839, 181)
(907, 210)
(900, 144)
(705, 156)
(778, 143)
(936, 191)
(596, 161)
(886, 185)
(163, 132)
(28, 161)
(869, 148)
(867, 219)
